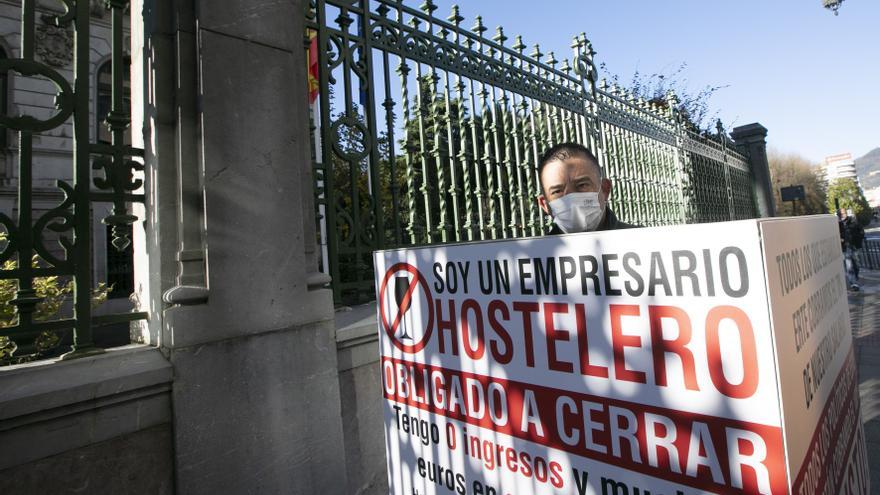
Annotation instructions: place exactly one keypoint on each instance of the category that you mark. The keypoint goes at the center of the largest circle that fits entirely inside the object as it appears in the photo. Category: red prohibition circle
(390, 328)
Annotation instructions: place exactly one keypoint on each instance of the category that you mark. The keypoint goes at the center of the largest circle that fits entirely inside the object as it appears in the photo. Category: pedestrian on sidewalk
(852, 236)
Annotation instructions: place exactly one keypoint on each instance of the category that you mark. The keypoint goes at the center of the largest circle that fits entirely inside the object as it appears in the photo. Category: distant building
(873, 197)
(841, 166)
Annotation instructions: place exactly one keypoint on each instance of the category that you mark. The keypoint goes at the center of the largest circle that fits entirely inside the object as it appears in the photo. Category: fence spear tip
(455, 17)
(499, 36)
(479, 28)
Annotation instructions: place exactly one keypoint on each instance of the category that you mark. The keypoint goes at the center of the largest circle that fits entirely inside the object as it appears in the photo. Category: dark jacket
(851, 233)
(610, 222)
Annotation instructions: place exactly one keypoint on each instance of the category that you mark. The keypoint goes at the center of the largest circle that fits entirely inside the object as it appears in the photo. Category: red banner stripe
(423, 386)
(821, 460)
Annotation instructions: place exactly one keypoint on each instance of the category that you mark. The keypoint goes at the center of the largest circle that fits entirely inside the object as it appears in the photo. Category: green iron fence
(869, 256)
(59, 242)
(426, 131)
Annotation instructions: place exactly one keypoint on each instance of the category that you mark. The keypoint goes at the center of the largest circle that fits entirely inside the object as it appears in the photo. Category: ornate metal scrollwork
(63, 100)
(59, 220)
(10, 246)
(366, 230)
(62, 39)
(345, 144)
(119, 178)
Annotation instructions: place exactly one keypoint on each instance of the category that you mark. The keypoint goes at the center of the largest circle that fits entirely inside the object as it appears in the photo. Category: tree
(791, 169)
(692, 105)
(432, 118)
(54, 292)
(849, 195)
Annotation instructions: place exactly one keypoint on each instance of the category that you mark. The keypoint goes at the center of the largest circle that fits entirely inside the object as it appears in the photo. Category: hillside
(868, 168)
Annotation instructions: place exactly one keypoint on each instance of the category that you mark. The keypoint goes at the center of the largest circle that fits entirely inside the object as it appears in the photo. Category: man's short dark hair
(564, 151)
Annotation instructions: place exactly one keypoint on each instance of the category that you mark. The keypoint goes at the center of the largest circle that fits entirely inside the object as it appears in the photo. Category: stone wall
(360, 389)
(100, 424)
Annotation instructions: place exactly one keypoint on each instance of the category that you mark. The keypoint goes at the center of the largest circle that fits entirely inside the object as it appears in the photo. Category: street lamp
(832, 4)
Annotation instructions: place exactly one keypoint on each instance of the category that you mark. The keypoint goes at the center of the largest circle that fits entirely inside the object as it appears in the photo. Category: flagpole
(315, 125)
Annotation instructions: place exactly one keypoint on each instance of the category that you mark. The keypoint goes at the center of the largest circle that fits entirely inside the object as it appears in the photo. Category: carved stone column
(245, 320)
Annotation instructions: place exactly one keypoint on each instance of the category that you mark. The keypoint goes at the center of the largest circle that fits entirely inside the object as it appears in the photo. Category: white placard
(824, 441)
(592, 363)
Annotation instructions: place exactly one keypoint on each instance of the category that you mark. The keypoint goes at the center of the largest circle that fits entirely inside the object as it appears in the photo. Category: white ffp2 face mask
(577, 212)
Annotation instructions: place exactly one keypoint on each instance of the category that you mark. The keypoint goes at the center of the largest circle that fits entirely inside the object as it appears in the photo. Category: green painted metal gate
(427, 131)
(59, 242)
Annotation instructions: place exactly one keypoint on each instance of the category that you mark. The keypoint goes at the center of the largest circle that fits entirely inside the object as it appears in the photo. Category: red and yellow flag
(312, 61)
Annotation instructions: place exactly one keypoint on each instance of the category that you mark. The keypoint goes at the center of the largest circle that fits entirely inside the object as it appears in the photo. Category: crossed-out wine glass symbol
(401, 288)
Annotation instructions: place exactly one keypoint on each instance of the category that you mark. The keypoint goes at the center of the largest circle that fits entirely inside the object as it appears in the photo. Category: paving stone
(865, 318)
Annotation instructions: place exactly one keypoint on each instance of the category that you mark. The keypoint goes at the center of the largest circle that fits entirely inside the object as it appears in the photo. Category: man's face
(574, 174)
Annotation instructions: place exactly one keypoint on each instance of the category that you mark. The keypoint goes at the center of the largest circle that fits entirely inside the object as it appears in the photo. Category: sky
(811, 78)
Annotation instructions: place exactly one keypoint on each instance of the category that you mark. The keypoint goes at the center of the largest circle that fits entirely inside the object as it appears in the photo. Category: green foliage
(787, 169)
(850, 197)
(54, 292)
(692, 105)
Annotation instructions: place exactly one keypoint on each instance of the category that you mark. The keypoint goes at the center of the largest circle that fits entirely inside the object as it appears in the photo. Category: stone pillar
(154, 65)
(751, 139)
(243, 315)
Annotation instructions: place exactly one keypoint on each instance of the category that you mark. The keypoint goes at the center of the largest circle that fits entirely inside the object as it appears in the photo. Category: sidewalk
(864, 307)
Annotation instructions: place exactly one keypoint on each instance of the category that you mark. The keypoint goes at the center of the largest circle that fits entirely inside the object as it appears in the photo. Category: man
(852, 236)
(575, 191)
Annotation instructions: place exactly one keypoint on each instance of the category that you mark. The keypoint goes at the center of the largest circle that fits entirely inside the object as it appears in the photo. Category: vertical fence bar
(403, 69)
(367, 90)
(455, 163)
(545, 141)
(388, 105)
(346, 150)
(655, 172)
(432, 109)
(501, 221)
(488, 163)
(514, 193)
(25, 297)
(444, 226)
(477, 161)
(425, 186)
(83, 341)
(518, 165)
(466, 227)
(536, 223)
(499, 112)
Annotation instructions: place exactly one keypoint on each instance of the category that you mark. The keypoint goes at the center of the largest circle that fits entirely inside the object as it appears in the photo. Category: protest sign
(664, 360)
(816, 366)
